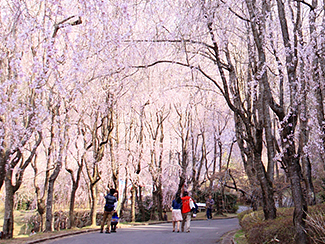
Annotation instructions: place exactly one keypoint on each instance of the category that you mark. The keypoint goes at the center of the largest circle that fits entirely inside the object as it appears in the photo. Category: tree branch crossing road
(202, 231)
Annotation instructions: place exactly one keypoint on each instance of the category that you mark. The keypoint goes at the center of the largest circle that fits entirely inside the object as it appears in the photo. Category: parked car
(201, 206)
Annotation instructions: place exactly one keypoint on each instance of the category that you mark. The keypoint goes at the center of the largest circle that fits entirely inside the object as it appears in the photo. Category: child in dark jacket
(114, 222)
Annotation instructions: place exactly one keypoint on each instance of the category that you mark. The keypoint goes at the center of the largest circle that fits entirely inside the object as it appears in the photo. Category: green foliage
(240, 237)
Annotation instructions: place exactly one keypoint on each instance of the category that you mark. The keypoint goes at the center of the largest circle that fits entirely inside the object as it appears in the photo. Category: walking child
(114, 222)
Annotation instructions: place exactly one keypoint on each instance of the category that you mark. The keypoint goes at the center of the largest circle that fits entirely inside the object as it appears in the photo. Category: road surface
(202, 231)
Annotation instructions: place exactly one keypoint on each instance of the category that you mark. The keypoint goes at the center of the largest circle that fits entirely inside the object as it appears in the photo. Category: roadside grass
(256, 230)
(20, 221)
(21, 227)
(240, 237)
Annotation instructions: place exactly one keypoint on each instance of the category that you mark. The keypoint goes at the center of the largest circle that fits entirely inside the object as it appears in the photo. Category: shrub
(315, 224)
(258, 230)
(281, 229)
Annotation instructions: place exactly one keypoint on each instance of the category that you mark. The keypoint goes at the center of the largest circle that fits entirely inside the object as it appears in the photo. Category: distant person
(187, 205)
(177, 211)
(114, 222)
(32, 232)
(109, 210)
(165, 217)
(209, 206)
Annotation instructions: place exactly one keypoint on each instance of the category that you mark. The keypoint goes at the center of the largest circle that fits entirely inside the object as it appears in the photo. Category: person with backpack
(187, 206)
(177, 211)
(109, 209)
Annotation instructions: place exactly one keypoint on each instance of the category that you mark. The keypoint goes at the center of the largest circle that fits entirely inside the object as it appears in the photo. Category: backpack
(196, 207)
(193, 206)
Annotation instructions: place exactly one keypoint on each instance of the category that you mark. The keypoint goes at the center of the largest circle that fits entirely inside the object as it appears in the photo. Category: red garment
(186, 204)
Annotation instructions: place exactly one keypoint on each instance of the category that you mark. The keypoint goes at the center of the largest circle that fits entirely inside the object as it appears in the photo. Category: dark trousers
(113, 226)
(209, 213)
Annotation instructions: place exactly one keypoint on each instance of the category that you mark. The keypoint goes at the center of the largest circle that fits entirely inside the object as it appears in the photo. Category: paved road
(202, 231)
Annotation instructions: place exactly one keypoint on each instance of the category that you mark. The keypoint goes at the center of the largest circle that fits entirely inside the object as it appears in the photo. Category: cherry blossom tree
(21, 105)
(84, 83)
(156, 134)
(264, 95)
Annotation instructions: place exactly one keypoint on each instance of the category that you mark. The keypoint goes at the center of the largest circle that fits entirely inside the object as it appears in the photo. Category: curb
(61, 235)
(90, 230)
(228, 238)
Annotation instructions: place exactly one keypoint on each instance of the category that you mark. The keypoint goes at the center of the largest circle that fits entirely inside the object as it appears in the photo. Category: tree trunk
(184, 124)
(4, 156)
(8, 224)
(299, 216)
(211, 179)
(71, 222)
(160, 202)
(75, 185)
(290, 159)
(154, 203)
(50, 193)
(125, 197)
(311, 198)
(114, 163)
(49, 206)
(140, 204)
(133, 200)
(247, 158)
(41, 210)
(93, 206)
(269, 142)
(183, 163)
(269, 208)
(197, 173)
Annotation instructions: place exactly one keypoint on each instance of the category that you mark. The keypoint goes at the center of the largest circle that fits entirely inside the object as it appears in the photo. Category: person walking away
(109, 209)
(177, 211)
(187, 205)
(209, 206)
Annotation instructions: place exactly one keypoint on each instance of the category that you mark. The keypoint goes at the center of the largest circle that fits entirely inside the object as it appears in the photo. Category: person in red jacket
(186, 211)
